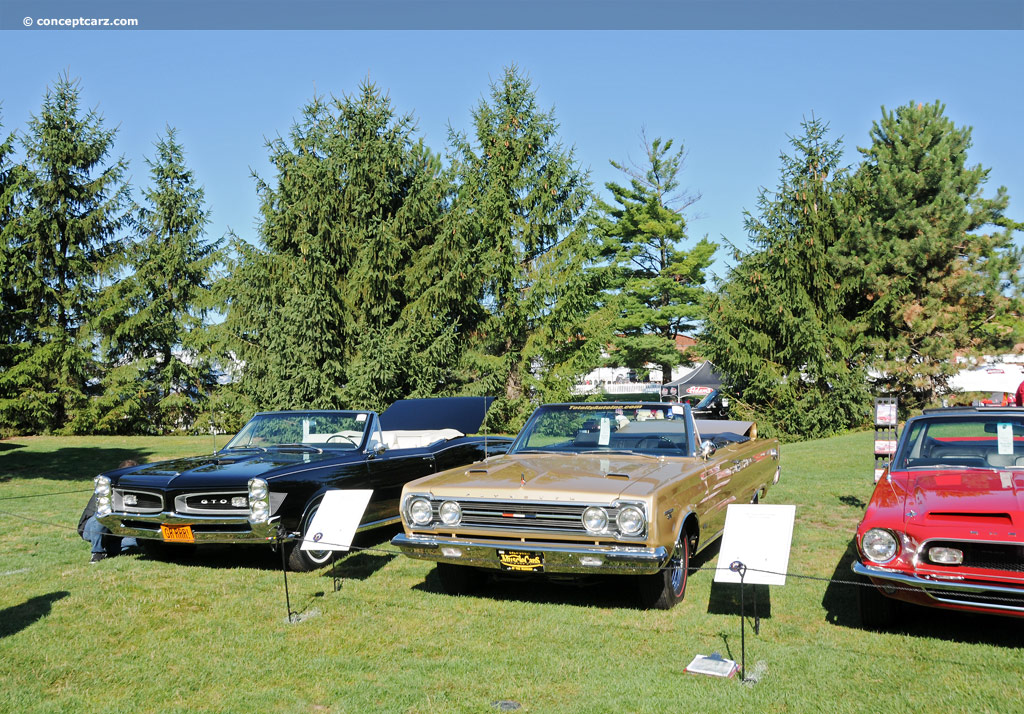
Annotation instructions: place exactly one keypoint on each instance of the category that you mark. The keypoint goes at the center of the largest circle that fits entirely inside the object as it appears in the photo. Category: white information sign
(759, 536)
(334, 524)
(1004, 438)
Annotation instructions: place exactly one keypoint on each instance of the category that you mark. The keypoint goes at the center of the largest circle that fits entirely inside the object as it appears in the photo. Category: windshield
(313, 430)
(991, 441)
(654, 429)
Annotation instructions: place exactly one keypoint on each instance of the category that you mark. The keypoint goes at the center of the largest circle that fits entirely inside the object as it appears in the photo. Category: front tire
(304, 561)
(667, 587)
(877, 612)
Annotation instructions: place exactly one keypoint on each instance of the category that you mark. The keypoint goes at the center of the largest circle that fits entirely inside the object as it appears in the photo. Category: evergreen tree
(356, 200)
(66, 246)
(154, 316)
(775, 326)
(14, 313)
(656, 287)
(925, 284)
(521, 201)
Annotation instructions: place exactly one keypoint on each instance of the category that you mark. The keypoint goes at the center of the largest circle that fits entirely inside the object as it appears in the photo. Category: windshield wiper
(247, 448)
(299, 447)
(618, 451)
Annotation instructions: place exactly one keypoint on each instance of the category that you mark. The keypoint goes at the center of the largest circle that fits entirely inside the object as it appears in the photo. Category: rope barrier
(476, 561)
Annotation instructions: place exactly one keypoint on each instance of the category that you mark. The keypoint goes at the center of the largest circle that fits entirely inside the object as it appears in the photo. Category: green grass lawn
(208, 632)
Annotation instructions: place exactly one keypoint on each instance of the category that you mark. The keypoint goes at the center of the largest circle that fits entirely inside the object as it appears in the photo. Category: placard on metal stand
(885, 433)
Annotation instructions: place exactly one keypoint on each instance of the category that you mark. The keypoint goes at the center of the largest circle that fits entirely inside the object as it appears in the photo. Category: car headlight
(450, 513)
(259, 500)
(879, 545)
(946, 556)
(630, 520)
(420, 512)
(102, 491)
(595, 519)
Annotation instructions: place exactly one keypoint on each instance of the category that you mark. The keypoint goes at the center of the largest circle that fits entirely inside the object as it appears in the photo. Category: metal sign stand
(284, 571)
(738, 567)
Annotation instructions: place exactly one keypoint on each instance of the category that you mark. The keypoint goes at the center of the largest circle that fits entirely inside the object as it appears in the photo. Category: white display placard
(335, 522)
(759, 536)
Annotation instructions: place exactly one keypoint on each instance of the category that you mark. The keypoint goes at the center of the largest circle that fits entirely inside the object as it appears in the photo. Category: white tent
(996, 377)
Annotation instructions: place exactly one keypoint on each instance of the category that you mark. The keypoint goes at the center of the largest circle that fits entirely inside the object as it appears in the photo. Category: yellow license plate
(521, 560)
(177, 534)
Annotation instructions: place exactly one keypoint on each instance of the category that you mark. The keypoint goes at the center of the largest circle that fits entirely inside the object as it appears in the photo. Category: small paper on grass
(713, 666)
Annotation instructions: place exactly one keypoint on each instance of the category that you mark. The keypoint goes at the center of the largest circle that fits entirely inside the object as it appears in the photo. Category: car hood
(959, 495)
(554, 477)
(223, 469)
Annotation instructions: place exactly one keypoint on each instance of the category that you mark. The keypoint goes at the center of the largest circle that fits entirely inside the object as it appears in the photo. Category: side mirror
(377, 447)
(707, 449)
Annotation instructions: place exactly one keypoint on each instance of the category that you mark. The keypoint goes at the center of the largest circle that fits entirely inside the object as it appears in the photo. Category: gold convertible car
(593, 488)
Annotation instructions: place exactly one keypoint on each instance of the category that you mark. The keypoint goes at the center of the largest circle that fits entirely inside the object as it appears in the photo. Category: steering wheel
(342, 436)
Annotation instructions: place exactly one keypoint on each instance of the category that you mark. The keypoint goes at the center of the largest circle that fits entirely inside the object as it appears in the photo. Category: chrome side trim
(927, 586)
(377, 524)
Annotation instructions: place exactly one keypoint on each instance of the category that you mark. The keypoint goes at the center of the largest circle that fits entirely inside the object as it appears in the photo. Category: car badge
(522, 479)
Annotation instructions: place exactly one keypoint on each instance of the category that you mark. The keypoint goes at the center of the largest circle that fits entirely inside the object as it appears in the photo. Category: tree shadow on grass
(16, 618)
(10, 445)
(67, 464)
(840, 603)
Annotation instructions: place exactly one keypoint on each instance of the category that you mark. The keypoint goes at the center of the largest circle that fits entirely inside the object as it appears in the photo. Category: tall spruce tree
(656, 287)
(14, 313)
(775, 327)
(925, 284)
(521, 202)
(154, 317)
(356, 199)
(66, 247)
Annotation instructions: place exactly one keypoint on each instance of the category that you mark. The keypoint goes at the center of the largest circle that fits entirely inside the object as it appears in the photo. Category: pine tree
(775, 327)
(356, 201)
(66, 246)
(14, 313)
(521, 202)
(925, 284)
(656, 288)
(154, 316)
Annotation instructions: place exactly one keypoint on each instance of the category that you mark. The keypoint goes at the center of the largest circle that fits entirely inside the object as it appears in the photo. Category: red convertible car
(945, 525)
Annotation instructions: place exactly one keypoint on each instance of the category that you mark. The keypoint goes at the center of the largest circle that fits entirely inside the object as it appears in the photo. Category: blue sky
(731, 97)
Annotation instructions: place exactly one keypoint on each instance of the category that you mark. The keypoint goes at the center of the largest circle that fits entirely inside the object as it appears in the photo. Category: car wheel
(877, 612)
(459, 579)
(303, 561)
(665, 588)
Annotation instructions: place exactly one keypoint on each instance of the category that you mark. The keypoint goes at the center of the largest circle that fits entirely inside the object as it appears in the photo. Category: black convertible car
(265, 485)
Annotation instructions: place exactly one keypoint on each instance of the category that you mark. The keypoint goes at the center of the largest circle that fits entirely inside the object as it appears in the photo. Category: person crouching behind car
(104, 543)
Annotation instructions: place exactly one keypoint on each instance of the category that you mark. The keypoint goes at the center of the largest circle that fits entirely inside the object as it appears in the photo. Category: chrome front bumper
(205, 529)
(568, 558)
(951, 592)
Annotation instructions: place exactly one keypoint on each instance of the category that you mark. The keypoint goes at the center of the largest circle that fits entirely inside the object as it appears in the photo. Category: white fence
(618, 388)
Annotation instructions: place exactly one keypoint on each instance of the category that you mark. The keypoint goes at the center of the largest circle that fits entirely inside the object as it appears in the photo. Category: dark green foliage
(520, 207)
(153, 317)
(328, 314)
(14, 313)
(656, 288)
(64, 246)
(775, 328)
(924, 284)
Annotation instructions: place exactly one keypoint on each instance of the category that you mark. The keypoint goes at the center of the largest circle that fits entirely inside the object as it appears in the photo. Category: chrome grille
(145, 501)
(1008, 557)
(211, 503)
(533, 517)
